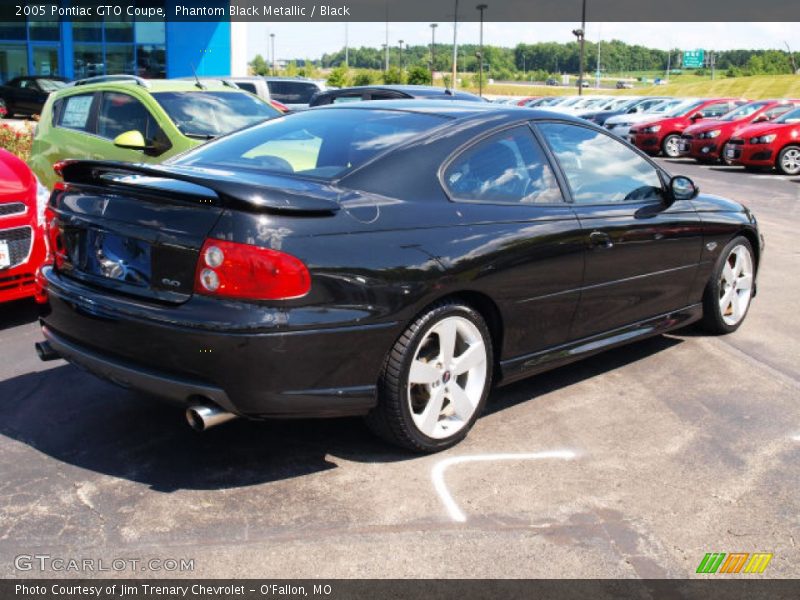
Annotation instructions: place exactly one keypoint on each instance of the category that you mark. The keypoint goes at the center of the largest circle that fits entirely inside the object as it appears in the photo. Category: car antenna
(198, 83)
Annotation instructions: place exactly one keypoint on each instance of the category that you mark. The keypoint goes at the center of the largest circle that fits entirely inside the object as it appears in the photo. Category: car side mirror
(683, 188)
(131, 140)
(761, 119)
(697, 116)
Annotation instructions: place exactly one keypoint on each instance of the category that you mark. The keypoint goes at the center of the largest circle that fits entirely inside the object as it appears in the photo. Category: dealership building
(154, 49)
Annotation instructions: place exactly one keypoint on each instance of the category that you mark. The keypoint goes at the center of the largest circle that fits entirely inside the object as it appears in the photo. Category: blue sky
(311, 40)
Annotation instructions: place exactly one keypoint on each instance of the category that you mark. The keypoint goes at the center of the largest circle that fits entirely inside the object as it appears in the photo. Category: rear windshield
(206, 115)
(320, 143)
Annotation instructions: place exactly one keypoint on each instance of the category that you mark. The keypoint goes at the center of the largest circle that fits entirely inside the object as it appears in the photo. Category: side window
(76, 112)
(716, 110)
(247, 87)
(386, 96)
(508, 167)
(292, 92)
(645, 106)
(600, 169)
(777, 111)
(25, 84)
(120, 113)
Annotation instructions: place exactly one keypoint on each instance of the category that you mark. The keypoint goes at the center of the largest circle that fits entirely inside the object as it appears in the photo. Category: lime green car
(131, 119)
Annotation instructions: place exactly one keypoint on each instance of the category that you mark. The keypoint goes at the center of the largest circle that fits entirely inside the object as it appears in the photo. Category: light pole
(599, 41)
(272, 43)
(385, 49)
(580, 34)
(400, 42)
(433, 50)
(455, 47)
(481, 8)
(346, 48)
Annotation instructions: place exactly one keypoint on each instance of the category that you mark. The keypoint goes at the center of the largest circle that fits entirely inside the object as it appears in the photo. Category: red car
(22, 239)
(705, 141)
(524, 101)
(771, 144)
(664, 136)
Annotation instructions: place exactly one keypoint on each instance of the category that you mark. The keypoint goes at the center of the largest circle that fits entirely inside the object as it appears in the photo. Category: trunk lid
(137, 230)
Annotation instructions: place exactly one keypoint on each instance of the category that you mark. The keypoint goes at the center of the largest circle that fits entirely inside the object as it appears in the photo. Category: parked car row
(760, 134)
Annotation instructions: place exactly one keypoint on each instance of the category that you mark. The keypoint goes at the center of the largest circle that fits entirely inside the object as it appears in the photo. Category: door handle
(600, 239)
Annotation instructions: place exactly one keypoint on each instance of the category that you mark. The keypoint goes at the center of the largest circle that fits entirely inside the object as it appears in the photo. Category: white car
(621, 124)
(578, 104)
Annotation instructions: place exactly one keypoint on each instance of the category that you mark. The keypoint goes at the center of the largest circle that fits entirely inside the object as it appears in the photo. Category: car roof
(417, 91)
(456, 109)
(278, 78)
(155, 85)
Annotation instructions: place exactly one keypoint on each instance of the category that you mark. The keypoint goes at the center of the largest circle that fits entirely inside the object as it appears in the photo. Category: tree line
(540, 60)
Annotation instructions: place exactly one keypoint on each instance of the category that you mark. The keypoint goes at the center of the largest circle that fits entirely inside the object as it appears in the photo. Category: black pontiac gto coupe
(393, 260)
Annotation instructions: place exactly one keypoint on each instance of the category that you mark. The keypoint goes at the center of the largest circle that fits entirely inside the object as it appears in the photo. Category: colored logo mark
(737, 562)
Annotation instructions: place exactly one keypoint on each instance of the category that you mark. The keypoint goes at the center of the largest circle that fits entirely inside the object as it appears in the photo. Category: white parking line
(772, 177)
(437, 473)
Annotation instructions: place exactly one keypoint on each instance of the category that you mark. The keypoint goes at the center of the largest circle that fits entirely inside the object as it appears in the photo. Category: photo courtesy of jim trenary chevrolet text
(350, 299)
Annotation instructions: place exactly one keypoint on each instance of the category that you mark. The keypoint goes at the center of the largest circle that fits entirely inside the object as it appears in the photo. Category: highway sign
(693, 59)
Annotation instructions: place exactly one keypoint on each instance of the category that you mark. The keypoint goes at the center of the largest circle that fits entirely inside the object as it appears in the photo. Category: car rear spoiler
(259, 194)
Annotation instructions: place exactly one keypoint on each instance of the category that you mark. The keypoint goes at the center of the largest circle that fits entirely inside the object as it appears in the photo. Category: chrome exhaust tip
(201, 417)
(46, 352)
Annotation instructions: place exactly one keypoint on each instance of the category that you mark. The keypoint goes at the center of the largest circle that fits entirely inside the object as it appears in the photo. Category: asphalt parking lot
(634, 463)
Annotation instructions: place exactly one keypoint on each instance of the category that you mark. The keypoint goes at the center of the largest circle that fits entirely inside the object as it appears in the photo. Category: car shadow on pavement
(80, 420)
(18, 312)
(576, 372)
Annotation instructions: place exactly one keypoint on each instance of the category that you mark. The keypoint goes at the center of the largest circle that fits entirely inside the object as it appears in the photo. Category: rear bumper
(289, 372)
(176, 389)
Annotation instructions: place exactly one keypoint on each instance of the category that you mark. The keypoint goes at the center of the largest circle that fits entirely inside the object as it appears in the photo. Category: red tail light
(56, 253)
(232, 270)
(58, 167)
(279, 105)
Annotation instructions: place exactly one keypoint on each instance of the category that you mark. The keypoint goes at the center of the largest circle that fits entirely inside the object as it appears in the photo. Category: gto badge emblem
(171, 282)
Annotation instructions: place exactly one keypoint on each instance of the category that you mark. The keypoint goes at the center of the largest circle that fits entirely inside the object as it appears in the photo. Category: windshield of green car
(207, 114)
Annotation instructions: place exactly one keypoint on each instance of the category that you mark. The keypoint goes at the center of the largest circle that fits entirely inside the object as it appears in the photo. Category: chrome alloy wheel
(736, 285)
(671, 147)
(447, 377)
(790, 161)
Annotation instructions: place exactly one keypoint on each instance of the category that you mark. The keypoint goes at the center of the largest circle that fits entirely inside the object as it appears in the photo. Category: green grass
(755, 87)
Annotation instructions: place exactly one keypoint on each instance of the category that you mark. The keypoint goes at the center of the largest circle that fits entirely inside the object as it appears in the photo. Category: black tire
(391, 419)
(666, 146)
(779, 163)
(713, 321)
